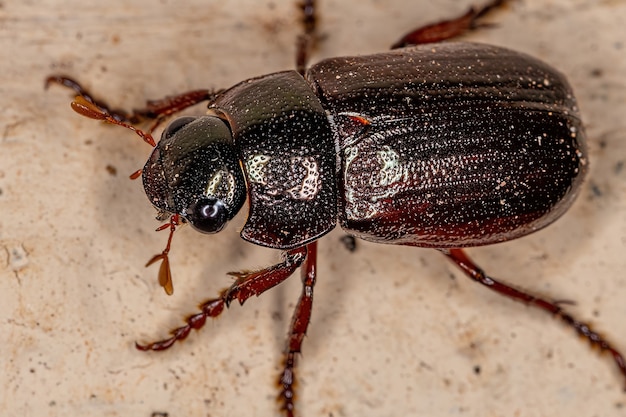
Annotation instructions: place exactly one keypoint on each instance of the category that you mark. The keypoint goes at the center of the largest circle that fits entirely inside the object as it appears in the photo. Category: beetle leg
(157, 110)
(472, 270)
(448, 29)
(299, 324)
(246, 285)
(306, 42)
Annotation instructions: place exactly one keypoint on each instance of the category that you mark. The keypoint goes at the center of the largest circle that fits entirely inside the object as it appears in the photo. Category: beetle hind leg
(448, 29)
(246, 285)
(474, 272)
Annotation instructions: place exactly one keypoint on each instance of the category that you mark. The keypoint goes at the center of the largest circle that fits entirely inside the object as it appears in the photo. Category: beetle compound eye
(207, 215)
(176, 125)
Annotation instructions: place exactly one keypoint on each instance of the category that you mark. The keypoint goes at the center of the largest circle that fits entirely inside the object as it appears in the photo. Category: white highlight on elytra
(382, 182)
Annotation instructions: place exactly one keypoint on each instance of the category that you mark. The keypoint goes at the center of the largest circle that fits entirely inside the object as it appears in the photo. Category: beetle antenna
(88, 109)
(165, 273)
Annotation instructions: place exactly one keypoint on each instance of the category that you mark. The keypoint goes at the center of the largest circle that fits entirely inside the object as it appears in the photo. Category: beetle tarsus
(472, 270)
(448, 29)
(287, 385)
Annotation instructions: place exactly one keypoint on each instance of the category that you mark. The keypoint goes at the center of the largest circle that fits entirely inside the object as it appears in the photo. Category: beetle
(443, 146)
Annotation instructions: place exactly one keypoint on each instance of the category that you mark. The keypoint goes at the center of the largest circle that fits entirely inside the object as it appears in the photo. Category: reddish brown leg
(448, 29)
(156, 110)
(299, 324)
(474, 272)
(159, 110)
(306, 42)
(245, 286)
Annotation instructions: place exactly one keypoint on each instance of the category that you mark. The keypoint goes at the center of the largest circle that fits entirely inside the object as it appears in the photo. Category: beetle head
(194, 171)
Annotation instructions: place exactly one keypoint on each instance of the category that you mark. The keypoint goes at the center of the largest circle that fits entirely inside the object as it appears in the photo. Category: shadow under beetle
(445, 146)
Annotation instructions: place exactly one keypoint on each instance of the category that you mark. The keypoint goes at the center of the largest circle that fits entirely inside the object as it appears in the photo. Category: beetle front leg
(246, 285)
(473, 271)
(448, 29)
(299, 324)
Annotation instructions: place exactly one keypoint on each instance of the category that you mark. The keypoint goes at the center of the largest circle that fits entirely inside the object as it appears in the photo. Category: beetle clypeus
(439, 145)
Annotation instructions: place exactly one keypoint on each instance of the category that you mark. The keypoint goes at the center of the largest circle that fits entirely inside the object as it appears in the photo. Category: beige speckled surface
(393, 333)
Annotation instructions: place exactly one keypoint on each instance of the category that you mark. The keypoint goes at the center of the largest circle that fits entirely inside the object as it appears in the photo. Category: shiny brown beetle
(443, 146)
